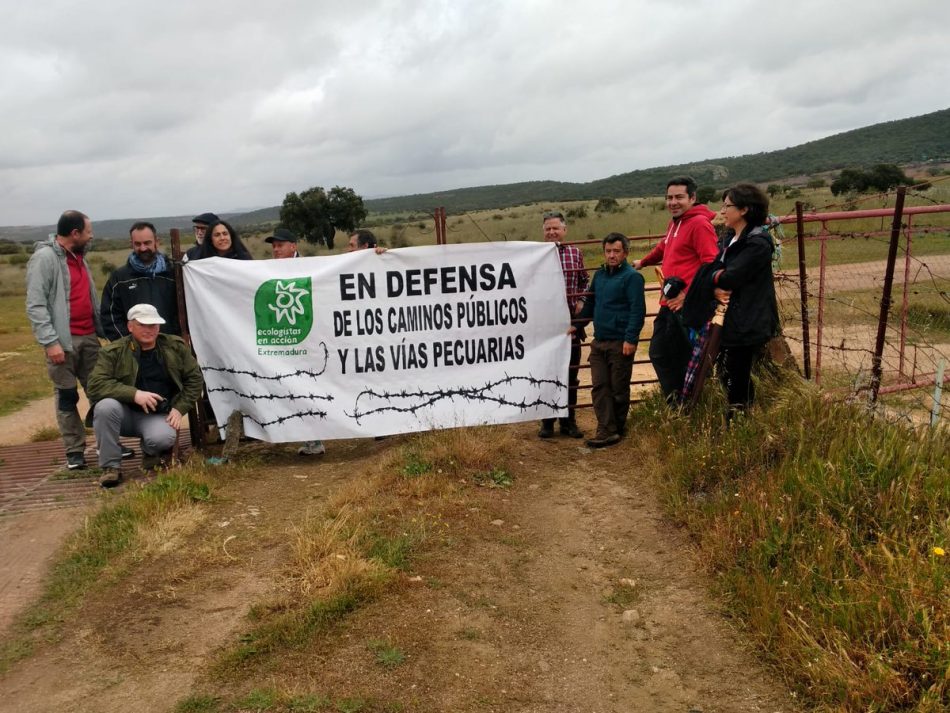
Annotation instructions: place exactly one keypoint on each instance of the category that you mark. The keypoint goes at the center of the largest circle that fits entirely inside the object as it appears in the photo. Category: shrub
(607, 205)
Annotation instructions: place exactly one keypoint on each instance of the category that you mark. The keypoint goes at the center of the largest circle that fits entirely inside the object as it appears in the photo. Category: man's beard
(80, 250)
(146, 256)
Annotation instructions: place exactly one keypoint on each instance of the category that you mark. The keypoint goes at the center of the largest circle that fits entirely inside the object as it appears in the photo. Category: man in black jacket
(146, 278)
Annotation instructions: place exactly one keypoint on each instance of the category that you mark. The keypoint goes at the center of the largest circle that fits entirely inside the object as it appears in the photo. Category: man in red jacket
(690, 241)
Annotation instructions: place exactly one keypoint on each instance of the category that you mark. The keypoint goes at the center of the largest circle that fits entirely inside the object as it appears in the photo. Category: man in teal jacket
(141, 386)
(618, 308)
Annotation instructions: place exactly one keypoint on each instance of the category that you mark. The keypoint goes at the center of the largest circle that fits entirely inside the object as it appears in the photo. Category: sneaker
(311, 448)
(610, 440)
(75, 461)
(110, 477)
(126, 452)
(571, 430)
(547, 431)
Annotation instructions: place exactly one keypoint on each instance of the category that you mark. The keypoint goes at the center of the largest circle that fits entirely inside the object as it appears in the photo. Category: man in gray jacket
(63, 310)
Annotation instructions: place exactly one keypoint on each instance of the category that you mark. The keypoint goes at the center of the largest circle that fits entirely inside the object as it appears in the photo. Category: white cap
(145, 314)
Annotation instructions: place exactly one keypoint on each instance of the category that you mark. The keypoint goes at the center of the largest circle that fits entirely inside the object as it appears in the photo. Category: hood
(699, 210)
(48, 243)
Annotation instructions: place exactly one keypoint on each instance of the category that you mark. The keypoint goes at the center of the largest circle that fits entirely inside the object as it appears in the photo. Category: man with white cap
(141, 385)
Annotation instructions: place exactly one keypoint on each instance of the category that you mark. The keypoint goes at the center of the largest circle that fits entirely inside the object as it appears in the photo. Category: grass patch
(45, 434)
(95, 554)
(198, 704)
(820, 523)
(387, 655)
(495, 478)
(371, 530)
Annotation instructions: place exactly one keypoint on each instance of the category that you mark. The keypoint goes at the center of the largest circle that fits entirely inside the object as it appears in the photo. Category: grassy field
(827, 532)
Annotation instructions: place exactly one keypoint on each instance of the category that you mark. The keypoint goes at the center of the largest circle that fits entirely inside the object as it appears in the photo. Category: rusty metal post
(876, 363)
(196, 424)
(905, 302)
(440, 233)
(803, 283)
(822, 264)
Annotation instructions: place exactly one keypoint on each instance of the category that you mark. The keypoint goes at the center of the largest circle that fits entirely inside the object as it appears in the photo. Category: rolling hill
(918, 139)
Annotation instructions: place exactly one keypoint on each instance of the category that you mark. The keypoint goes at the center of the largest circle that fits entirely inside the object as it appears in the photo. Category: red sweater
(690, 241)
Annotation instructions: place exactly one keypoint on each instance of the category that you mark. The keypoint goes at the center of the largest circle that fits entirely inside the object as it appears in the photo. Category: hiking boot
(152, 462)
(311, 448)
(75, 460)
(547, 431)
(603, 442)
(571, 430)
(127, 453)
(110, 477)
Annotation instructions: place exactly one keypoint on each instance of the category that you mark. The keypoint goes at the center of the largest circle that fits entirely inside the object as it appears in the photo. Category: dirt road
(565, 592)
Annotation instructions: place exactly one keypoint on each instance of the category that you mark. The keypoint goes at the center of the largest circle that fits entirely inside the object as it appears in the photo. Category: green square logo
(283, 310)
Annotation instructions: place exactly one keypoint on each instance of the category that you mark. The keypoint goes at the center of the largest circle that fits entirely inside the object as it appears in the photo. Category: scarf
(155, 267)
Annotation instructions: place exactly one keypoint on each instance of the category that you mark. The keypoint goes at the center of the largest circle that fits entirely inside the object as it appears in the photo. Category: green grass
(94, 554)
(820, 523)
(387, 655)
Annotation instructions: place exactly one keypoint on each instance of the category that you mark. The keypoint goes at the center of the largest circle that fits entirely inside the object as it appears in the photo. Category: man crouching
(141, 385)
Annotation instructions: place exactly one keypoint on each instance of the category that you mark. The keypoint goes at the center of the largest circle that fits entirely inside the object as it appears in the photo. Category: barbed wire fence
(866, 309)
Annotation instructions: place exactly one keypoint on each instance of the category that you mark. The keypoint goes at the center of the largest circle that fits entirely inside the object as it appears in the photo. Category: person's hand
(637, 264)
(676, 303)
(722, 295)
(579, 307)
(629, 349)
(571, 330)
(147, 400)
(55, 353)
(379, 250)
(173, 418)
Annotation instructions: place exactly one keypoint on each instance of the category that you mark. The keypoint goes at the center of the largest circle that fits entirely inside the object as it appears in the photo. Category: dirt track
(520, 614)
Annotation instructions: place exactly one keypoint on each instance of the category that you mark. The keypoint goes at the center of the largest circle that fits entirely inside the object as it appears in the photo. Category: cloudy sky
(125, 109)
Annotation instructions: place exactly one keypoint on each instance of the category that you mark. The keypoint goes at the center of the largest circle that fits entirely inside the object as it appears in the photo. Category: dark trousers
(735, 373)
(610, 376)
(670, 350)
(573, 381)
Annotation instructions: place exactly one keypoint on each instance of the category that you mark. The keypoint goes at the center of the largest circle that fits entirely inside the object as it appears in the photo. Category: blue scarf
(157, 265)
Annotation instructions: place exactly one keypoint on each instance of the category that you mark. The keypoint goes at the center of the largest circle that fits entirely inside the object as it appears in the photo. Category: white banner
(369, 345)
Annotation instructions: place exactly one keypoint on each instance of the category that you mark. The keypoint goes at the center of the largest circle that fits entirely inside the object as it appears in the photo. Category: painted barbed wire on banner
(368, 345)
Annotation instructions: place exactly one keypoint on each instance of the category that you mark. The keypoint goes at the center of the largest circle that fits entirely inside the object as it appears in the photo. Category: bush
(607, 205)
(816, 183)
(577, 212)
(8, 248)
(18, 259)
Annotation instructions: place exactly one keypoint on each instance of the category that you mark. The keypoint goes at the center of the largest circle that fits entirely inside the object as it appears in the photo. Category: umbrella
(704, 356)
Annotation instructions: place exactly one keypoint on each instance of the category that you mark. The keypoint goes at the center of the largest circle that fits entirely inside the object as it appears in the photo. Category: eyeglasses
(729, 205)
(548, 214)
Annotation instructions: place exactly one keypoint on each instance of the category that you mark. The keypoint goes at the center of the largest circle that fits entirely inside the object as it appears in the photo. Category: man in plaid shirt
(576, 281)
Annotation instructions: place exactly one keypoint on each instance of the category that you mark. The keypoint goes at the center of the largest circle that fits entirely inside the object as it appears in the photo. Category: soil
(567, 591)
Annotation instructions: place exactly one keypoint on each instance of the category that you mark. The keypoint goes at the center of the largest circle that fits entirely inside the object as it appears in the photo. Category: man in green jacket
(618, 307)
(141, 386)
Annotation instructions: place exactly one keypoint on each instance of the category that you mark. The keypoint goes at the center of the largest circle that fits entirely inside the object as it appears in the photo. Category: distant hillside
(115, 228)
(921, 138)
(918, 139)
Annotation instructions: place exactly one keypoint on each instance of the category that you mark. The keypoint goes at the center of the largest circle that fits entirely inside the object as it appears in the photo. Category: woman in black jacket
(221, 240)
(744, 282)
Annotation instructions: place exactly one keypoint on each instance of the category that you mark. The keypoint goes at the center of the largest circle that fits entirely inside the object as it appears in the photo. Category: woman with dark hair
(742, 280)
(221, 240)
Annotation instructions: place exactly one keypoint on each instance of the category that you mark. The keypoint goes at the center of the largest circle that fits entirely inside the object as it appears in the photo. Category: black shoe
(610, 440)
(127, 453)
(154, 462)
(571, 430)
(546, 431)
(75, 461)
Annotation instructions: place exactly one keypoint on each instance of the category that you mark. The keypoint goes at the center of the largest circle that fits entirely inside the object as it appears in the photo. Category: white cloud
(125, 109)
